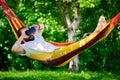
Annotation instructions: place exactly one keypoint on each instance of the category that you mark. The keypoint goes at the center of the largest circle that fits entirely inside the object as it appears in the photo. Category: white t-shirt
(38, 45)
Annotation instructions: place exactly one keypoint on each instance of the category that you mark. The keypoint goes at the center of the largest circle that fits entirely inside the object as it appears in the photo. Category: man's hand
(23, 34)
(39, 28)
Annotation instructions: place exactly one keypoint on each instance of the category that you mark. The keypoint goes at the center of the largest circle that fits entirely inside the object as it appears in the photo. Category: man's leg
(100, 25)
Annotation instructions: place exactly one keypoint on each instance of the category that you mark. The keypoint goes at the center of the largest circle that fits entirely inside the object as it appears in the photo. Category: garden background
(104, 56)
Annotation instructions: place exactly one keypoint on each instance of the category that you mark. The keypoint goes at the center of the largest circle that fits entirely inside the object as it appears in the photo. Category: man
(33, 43)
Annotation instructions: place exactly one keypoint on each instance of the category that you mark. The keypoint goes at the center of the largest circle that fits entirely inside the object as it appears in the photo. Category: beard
(31, 38)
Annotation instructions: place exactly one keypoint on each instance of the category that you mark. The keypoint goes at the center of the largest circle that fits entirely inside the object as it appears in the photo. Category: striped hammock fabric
(67, 51)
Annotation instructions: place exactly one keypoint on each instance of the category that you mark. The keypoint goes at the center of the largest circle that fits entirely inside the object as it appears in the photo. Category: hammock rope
(68, 52)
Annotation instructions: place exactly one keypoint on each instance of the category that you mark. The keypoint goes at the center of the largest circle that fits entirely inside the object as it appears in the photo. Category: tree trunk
(72, 28)
(74, 64)
(72, 25)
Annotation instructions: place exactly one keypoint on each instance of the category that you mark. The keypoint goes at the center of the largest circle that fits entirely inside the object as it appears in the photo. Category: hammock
(68, 50)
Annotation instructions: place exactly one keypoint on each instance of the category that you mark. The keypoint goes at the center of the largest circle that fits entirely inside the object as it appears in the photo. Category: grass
(57, 75)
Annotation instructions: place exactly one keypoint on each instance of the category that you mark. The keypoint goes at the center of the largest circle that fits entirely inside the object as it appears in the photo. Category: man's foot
(101, 23)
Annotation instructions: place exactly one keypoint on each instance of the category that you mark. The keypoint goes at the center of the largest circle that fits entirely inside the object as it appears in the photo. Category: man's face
(29, 37)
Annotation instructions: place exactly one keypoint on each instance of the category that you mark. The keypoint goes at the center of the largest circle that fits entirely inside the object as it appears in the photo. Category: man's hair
(19, 34)
(19, 31)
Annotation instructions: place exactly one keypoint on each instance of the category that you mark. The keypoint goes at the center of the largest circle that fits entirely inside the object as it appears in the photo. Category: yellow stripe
(41, 56)
(13, 29)
(18, 22)
(14, 24)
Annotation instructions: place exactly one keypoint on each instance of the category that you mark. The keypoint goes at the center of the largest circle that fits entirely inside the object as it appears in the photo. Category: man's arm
(17, 46)
(41, 28)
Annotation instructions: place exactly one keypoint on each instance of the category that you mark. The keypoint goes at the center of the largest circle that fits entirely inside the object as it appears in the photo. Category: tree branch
(76, 21)
(68, 14)
(61, 13)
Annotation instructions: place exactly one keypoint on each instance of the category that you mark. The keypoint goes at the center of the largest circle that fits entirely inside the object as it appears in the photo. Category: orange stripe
(15, 25)
(19, 23)
(13, 28)
(22, 25)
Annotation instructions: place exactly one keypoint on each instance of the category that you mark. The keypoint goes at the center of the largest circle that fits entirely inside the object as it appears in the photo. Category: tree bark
(74, 64)
(72, 25)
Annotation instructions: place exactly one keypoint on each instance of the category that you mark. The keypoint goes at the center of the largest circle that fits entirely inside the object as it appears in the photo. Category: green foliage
(105, 54)
(29, 16)
(102, 56)
(89, 3)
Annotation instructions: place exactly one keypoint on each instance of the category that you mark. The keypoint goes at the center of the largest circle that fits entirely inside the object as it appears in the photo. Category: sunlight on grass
(57, 75)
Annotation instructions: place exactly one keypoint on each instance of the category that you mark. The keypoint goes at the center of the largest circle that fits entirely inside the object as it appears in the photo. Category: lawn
(57, 75)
